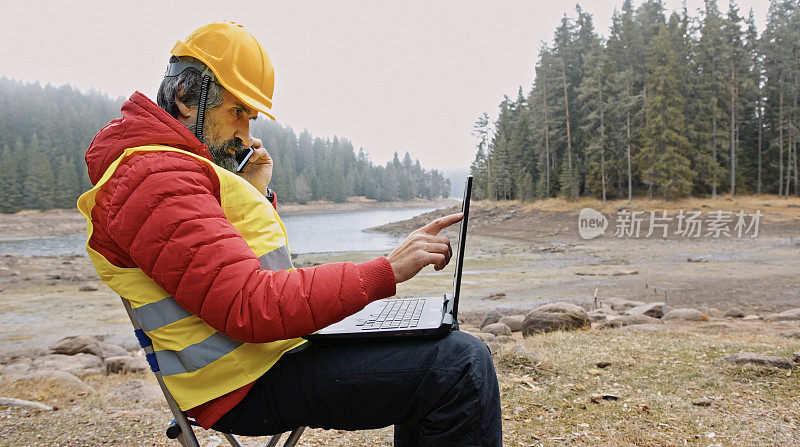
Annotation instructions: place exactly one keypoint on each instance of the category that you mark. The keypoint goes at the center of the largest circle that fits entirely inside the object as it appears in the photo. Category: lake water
(308, 233)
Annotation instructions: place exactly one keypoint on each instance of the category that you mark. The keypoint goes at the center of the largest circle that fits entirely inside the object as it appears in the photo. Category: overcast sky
(391, 76)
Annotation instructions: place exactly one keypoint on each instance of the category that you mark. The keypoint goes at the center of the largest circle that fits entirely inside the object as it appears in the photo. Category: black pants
(435, 392)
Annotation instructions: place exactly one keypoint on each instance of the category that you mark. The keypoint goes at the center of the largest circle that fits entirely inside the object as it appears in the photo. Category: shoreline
(328, 207)
(31, 224)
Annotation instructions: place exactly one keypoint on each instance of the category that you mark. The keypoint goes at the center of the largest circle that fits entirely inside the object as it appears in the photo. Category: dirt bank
(534, 253)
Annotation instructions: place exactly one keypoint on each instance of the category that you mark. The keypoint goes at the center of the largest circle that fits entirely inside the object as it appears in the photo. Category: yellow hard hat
(238, 61)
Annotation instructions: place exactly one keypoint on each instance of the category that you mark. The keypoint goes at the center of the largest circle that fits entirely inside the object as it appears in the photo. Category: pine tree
(65, 180)
(9, 182)
(500, 169)
(736, 64)
(479, 168)
(711, 62)
(38, 184)
(591, 95)
(663, 161)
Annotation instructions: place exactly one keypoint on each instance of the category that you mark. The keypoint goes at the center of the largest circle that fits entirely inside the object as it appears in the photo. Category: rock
(566, 308)
(597, 316)
(608, 310)
(112, 350)
(619, 304)
(15, 358)
(505, 311)
(136, 391)
(77, 344)
(787, 315)
(796, 357)
(485, 337)
(603, 364)
(553, 317)
(685, 314)
(497, 329)
(19, 403)
(602, 314)
(655, 310)
(15, 369)
(503, 339)
(61, 381)
(89, 287)
(599, 398)
(126, 363)
(126, 342)
(80, 365)
(791, 334)
(642, 328)
(751, 318)
(491, 317)
(744, 358)
(734, 312)
(628, 320)
(702, 402)
(514, 322)
(709, 311)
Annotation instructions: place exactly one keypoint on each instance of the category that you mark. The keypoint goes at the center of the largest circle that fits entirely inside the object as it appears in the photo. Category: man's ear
(186, 114)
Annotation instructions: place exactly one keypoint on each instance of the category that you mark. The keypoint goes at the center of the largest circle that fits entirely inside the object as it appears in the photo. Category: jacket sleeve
(164, 211)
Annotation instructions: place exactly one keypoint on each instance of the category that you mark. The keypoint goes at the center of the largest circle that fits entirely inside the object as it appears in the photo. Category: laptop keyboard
(394, 314)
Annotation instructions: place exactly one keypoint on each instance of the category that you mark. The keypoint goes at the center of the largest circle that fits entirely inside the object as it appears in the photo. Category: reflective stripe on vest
(197, 362)
(278, 259)
(196, 356)
(165, 311)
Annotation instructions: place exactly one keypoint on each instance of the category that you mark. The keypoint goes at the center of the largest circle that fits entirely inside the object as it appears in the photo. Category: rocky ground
(611, 341)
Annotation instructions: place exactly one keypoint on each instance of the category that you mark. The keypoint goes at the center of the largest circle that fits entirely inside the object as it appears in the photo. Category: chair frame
(181, 428)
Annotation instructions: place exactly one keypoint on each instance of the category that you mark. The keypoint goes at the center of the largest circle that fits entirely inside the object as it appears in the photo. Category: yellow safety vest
(197, 362)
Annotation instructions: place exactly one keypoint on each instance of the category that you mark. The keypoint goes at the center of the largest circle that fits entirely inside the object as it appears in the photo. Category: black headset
(178, 67)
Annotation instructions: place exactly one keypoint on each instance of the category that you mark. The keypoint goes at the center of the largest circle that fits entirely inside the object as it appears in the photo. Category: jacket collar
(143, 122)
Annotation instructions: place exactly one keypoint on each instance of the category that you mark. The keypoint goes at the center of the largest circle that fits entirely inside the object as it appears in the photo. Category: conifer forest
(45, 130)
(664, 104)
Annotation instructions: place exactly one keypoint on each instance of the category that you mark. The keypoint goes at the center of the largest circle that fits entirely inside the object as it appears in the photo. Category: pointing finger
(441, 223)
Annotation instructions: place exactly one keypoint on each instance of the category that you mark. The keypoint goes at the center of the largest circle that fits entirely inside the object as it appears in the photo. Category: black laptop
(408, 317)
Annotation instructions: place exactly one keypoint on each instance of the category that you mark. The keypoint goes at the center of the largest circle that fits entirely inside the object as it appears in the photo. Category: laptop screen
(462, 242)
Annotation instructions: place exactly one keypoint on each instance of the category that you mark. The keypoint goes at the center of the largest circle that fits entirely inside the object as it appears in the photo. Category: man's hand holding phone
(258, 168)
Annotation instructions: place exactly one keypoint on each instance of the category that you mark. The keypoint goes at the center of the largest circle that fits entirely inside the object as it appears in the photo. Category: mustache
(219, 153)
(234, 143)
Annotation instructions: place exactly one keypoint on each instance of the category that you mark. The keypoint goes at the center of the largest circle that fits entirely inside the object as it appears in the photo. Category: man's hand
(423, 247)
(258, 171)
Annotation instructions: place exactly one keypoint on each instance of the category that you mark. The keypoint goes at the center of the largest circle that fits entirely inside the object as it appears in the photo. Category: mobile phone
(242, 158)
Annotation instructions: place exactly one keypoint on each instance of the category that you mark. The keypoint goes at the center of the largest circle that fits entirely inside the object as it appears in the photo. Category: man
(201, 256)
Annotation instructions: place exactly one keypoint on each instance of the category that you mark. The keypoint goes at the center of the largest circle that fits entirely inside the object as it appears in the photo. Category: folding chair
(181, 427)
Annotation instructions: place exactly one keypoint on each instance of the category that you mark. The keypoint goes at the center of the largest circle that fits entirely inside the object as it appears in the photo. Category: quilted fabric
(161, 212)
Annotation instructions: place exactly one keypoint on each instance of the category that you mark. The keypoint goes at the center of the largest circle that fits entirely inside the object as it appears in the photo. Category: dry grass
(654, 375)
(748, 203)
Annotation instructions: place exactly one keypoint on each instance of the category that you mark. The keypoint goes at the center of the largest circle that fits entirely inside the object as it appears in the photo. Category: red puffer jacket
(151, 194)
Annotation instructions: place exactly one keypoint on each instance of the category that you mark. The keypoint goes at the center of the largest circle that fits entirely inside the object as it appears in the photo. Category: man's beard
(219, 151)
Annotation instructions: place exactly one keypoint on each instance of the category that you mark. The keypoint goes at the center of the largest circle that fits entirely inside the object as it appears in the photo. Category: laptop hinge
(447, 309)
